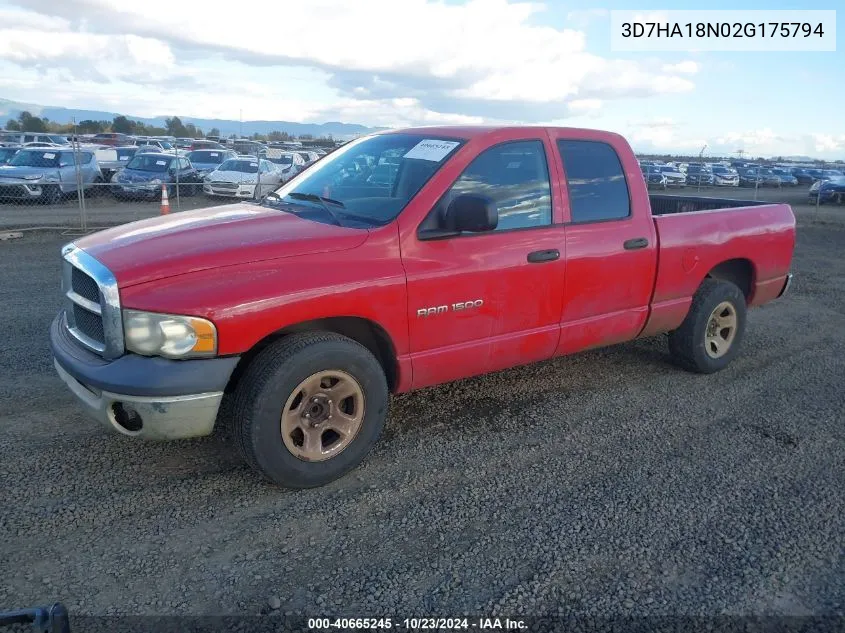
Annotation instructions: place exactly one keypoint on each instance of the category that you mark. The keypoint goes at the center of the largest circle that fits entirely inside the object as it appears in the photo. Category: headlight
(33, 177)
(168, 335)
(154, 181)
(115, 177)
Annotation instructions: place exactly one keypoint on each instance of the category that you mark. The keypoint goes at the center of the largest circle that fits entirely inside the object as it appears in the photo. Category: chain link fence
(85, 188)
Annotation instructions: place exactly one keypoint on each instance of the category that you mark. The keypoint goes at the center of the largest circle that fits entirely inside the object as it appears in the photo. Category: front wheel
(710, 336)
(309, 408)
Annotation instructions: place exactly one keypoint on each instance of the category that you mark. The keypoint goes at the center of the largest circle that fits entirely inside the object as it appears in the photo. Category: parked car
(46, 175)
(309, 157)
(674, 176)
(25, 138)
(112, 159)
(7, 153)
(151, 144)
(205, 144)
(112, 138)
(785, 176)
(239, 178)
(828, 190)
(758, 177)
(288, 163)
(145, 174)
(805, 176)
(653, 177)
(725, 176)
(246, 146)
(207, 160)
(184, 143)
(306, 310)
(699, 174)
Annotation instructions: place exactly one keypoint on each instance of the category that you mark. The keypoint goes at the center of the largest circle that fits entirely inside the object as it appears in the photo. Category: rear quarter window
(596, 182)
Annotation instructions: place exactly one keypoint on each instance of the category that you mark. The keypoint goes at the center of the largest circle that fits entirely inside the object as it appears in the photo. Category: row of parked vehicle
(724, 174)
(47, 174)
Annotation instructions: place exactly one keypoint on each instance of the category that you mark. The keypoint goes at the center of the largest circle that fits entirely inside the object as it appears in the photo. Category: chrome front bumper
(154, 418)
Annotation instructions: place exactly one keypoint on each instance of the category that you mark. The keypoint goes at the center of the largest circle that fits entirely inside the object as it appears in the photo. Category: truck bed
(749, 241)
(663, 204)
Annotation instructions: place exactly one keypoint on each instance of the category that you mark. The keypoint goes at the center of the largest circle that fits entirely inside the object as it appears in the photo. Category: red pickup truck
(402, 260)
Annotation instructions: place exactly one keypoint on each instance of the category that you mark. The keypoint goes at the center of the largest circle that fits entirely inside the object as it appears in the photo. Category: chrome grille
(92, 309)
(90, 324)
(84, 286)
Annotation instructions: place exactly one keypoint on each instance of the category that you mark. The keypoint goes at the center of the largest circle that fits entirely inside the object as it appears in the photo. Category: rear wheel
(309, 408)
(710, 336)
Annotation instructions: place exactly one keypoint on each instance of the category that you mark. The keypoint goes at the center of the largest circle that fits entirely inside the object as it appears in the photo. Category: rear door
(484, 301)
(611, 247)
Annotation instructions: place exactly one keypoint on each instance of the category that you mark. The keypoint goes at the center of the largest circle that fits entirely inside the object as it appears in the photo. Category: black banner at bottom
(276, 622)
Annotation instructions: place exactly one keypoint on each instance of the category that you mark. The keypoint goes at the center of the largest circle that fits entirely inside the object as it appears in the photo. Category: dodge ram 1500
(402, 260)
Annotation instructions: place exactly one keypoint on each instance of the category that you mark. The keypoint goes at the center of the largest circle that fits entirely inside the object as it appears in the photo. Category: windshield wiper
(313, 197)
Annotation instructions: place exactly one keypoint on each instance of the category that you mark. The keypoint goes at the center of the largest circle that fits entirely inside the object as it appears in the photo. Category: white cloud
(688, 67)
(471, 58)
(827, 142)
(581, 18)
(581, 106)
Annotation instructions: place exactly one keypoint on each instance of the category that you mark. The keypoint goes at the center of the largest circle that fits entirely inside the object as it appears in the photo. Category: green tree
(122, 125)
(275, 135)
(175, 127)
(31, 123)
(214, 132)
(13, 125)
(91, 127)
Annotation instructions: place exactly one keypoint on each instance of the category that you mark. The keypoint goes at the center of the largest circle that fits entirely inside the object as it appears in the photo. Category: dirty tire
(269, 381)
(687, 344)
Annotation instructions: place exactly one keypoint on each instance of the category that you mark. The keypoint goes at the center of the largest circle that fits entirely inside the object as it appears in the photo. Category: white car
(238, 178)
(287, 162)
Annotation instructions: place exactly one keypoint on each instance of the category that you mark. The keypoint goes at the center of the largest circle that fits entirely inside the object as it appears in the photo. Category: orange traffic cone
(165, 203)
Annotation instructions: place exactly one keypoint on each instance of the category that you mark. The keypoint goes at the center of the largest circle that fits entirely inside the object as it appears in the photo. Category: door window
(595, 180)
(516, 177)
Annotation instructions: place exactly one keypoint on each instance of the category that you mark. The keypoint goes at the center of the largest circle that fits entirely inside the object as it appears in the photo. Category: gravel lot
(609, 483)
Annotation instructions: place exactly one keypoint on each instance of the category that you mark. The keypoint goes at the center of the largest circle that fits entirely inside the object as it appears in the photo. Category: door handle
(538, 257)
(634, 244)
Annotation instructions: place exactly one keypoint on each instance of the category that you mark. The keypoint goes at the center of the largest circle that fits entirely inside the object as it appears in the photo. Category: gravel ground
(604, 484)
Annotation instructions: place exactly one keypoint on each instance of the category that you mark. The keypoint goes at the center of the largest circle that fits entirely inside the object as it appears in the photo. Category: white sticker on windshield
(431, 149)
(161, 162)
(49, 156)
(215, 154)
(253, 164)
(123, 158)
(514, 164)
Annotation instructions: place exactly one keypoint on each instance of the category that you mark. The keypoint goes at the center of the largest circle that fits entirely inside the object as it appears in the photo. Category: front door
(479, 302)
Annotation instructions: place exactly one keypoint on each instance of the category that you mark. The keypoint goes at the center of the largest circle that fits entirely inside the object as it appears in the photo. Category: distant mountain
(340, 131)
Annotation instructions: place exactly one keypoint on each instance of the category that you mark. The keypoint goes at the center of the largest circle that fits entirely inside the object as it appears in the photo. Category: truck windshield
(35, 158)
(372, 178)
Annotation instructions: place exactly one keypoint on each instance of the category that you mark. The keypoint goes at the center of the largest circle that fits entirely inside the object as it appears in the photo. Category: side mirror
(472, 212)
(467, 212)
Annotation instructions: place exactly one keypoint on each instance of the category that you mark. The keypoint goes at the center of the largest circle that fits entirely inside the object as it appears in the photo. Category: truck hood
(213, 237)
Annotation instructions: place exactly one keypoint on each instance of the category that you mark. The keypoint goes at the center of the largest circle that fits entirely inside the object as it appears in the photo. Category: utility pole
(241, 119)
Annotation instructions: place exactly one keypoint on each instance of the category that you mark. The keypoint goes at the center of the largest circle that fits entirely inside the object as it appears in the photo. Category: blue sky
(410, 62)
